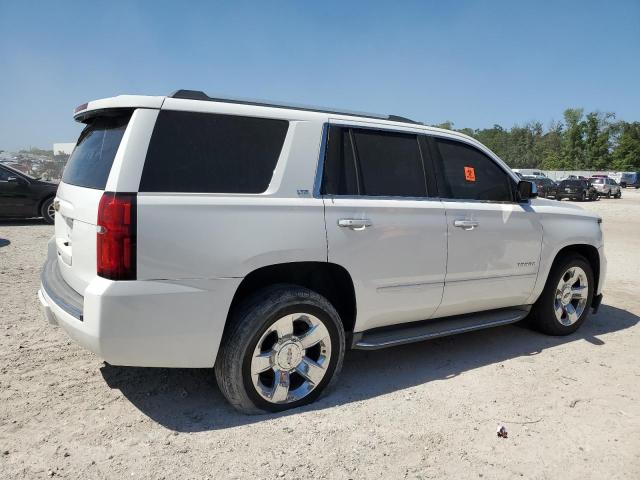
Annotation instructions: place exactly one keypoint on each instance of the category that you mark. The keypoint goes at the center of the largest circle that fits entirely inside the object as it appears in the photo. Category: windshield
(91, 160)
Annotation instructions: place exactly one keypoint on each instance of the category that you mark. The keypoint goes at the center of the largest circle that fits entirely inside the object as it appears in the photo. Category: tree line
(595, 141)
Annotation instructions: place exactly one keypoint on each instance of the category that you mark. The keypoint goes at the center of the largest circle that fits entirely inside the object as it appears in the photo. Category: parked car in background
(616, 176)
(630, 179)
(523, 172)
(576, 189)
(546, 187)
(264, 241)
(22, 196)
(606, 187)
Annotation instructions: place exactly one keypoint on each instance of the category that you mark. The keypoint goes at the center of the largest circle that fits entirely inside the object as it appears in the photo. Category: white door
(494, 243)
(382, 226)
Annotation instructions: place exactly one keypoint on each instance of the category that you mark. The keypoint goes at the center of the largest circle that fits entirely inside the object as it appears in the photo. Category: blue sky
(475, 63)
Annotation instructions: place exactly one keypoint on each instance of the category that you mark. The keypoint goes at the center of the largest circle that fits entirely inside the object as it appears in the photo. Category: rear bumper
(142, 323)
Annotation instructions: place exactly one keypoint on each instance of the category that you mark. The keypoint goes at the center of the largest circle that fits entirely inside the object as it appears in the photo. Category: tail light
(116, 238)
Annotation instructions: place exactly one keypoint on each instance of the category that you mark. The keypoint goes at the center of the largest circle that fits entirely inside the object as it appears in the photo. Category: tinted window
(469, 174)
(4, 175)
(572, 183)
(339, 166)
(389, 164)
(385, 164)
(211, 153)
(91, 160)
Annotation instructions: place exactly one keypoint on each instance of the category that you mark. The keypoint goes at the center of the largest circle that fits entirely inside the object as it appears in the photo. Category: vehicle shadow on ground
(188, 400)
(4, 242)
(20, 222)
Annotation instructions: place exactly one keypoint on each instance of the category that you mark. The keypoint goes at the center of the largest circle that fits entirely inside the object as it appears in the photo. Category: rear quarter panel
(217, 235)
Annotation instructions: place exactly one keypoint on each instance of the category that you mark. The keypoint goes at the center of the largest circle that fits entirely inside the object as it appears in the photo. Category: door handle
(354, 223)
(466, 224)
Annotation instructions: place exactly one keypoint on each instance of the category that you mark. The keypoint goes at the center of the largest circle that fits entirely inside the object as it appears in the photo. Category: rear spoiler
(128, 102)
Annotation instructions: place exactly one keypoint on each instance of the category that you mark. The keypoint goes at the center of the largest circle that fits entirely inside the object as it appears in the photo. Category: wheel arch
(44, 199)
(587, 251)
(328, 279)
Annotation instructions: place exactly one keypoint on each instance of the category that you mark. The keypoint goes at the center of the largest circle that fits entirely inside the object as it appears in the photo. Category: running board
(440, 327)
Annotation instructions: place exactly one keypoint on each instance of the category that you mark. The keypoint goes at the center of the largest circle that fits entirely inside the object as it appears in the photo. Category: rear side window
(212, 153)
(469, 174)
(390, 164)
(340, 176)
(91, 160)
(373, 163)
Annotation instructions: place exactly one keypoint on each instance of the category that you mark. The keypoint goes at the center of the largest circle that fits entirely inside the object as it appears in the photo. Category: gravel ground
(429, 410)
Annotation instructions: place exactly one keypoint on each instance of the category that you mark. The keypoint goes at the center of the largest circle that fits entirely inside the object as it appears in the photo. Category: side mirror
(526, 190)
(18, 180)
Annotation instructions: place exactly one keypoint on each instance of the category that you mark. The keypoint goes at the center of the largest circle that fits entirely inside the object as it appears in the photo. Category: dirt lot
(430, 410)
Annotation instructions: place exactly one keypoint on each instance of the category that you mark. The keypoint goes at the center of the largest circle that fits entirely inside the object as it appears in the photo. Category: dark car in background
(630, 179)
(547, 188)
(576, 189)
(22, 196)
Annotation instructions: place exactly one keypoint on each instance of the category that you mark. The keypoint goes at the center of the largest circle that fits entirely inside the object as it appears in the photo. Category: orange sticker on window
(470, 174)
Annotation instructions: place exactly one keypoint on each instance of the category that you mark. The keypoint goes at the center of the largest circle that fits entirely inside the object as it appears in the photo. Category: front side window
(212, 153)
(469, 174)
(373, 163)
(4, 175)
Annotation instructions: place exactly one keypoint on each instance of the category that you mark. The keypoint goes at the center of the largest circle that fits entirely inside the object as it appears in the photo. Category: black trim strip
(199, 95)
(60, 291)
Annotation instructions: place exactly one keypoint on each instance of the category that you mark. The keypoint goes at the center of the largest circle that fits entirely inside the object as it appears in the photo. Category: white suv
(264, 240)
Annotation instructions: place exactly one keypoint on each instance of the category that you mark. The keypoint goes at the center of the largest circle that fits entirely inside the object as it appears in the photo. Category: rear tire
(47, 212)
(619, 194)
(561, 311)
(268, 361)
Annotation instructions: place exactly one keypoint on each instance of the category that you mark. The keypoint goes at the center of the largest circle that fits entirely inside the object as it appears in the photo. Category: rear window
(597, 180)
(91, 160)
(212, 153)
(572, 183)
(373, 163)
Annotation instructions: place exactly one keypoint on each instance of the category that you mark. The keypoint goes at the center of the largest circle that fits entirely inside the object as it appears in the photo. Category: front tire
(283, 346)
(564, 303)
(47, 211)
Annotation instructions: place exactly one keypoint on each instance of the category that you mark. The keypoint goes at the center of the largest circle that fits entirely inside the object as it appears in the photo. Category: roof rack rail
(200, 95)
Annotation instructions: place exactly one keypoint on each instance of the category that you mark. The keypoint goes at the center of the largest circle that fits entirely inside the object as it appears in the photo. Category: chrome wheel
(571, 296)
(51, 211)
(291, 358)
